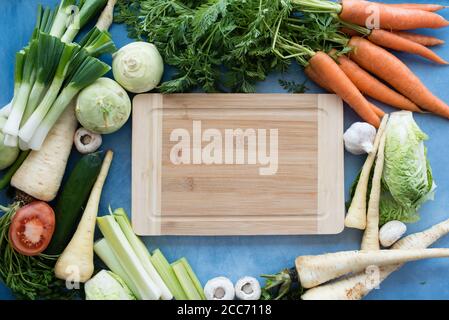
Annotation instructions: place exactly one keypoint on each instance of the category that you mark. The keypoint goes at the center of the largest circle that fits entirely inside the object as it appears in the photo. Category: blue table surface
(235, 257)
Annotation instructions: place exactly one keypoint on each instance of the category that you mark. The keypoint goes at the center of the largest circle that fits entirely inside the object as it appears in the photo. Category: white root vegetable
(391, 232)
(370, 239)
(359, 285)
(356, 216)
(106, 17)
(41, 173)
(315, 270)
(77, 259)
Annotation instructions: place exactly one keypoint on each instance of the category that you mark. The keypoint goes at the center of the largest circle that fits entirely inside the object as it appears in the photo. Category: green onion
(186, 282)
(26, 82)
(62, 17)
(168, 275)
(127, 257)
(29, 128)
(105, 253)
(90, 70)
(142, 253)
(193, 277)
(88, 9)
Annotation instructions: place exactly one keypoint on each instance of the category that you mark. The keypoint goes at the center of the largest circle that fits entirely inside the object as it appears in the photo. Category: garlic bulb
(359, 138)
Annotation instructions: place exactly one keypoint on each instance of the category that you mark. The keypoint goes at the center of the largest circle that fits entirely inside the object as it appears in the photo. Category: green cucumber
(70, 203)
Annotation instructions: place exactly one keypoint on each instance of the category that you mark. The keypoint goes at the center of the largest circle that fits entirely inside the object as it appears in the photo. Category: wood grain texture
(304, 196)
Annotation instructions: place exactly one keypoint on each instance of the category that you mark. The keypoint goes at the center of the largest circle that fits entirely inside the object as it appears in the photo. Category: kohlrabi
(407, 177)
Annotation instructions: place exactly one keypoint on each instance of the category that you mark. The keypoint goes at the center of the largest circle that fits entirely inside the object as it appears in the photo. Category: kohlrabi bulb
(138, 67)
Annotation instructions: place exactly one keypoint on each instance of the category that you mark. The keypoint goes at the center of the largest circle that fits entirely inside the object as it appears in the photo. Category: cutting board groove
(182, 191)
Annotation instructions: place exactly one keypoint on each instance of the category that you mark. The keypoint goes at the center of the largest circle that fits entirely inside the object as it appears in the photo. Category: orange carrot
(392, 70)
(427, 41)
(390, 40)
(369, 85)
(418, 6)
(390, 18)
(319, 81)
(337, 80)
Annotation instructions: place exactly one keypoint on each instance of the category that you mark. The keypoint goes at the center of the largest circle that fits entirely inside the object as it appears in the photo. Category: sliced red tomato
(32, 228)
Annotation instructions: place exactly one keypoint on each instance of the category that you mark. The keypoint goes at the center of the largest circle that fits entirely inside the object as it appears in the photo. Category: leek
(62, 17)
(87, 10)
(49, 53)
(29, 128)
(127, 257)
(98, 42)
(106, 254)
(142, 253)
(193, 277)
(20, 100)
(186, 282)
(90, 70)
(166, 272)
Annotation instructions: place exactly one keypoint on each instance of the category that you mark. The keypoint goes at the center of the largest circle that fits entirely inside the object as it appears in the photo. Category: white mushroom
(87, 141)
(219, 288)
(359, 138)
(248, 288)
(391, 232)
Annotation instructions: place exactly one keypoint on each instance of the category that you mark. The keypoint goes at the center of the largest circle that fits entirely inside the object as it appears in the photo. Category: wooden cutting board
(205, 164)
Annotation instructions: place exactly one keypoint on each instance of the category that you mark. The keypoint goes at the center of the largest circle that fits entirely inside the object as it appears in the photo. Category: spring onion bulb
(88, 9)
(63, 15)
(29, 128)
(26, 82)
(141, 252)
(128, 258)
(89, 71)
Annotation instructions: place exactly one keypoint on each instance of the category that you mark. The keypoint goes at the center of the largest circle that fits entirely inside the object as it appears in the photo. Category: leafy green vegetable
(292, 86)
(28, 277)
(282, 286)
(407, 177)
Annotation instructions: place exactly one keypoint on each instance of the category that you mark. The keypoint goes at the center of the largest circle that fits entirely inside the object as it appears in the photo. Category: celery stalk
(127, 257)
(167, 274)
(193, 277)
(142, 253)
(107, 255)
(186, 282)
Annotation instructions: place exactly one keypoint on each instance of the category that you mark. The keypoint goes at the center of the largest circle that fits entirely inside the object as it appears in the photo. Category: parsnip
(41, 173)
(107, 16)
(315, 270)
(370, 239)
(77, 260)
(359, 285)
(356, 217)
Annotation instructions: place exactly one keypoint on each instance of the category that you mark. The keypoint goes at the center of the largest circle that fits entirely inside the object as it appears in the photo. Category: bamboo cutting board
(237, 164)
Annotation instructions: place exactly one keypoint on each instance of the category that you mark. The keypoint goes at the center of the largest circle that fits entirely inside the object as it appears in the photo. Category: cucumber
(71, 201)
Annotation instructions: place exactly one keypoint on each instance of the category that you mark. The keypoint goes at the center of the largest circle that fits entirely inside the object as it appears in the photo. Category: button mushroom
(87, 141)
(391, 232)
(219, 288)
(248, 288)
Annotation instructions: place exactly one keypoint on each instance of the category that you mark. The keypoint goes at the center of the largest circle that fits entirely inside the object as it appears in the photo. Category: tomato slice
(31, 228)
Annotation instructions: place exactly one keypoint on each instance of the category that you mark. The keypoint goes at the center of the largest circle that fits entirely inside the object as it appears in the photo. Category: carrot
(370, 239)
(369, 85)
(427, 41)
(377, 110)
(319, 81)
(389, 68)
(359, 285)
(356, 217)
(360, 12)
(331, 74)
(418, 6)
(393, 41)
(315, 270)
